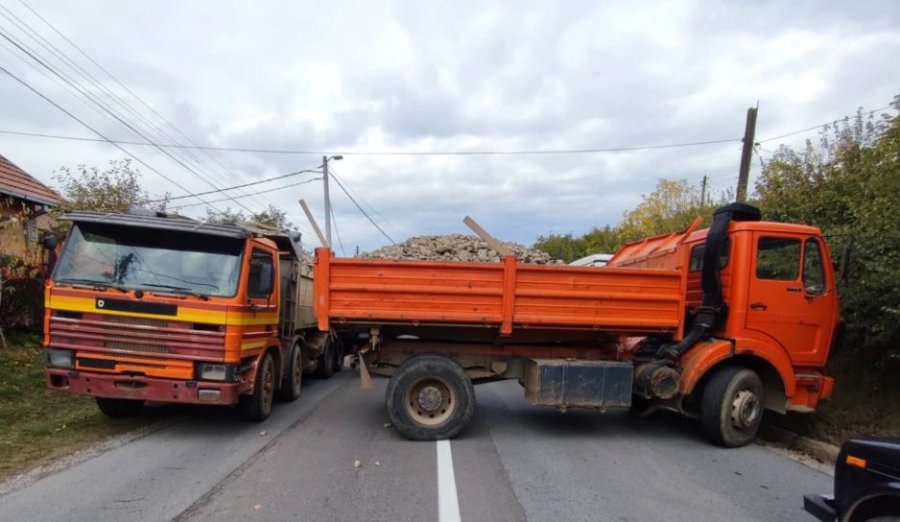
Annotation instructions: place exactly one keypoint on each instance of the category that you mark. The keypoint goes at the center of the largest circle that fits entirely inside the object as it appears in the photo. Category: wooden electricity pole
(747, 154)
(703, 192)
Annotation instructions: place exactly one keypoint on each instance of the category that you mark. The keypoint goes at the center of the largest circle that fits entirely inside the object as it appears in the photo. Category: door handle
(758, 306)
(794, 289)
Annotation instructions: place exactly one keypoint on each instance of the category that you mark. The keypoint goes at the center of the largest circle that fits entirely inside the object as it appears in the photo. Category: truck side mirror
(49, 242)
(845, 261)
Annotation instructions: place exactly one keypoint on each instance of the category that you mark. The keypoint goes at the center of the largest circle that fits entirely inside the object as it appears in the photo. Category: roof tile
(18, 183)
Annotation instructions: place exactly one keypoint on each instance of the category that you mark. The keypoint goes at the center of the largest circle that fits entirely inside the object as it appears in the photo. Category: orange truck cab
(718, 324)
(152, 307)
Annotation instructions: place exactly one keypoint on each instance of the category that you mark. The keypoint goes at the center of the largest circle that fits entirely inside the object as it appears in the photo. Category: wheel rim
(430, 401)
(745, 409)
(297, 368)
(268, 385)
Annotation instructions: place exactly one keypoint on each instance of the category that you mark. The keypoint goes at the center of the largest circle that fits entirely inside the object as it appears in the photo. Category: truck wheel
(325, 368)
(732, 407)
(293, 376)
(119, 408)
(338, 355)
(430, 398)
(258, 406)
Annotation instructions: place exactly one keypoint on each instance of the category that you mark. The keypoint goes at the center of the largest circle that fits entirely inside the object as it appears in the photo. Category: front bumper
(141, 388)
(821, 507)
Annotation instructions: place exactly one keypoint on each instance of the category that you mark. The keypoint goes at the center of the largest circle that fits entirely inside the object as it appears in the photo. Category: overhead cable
(250, 194)
(364, 213)
(195, 194)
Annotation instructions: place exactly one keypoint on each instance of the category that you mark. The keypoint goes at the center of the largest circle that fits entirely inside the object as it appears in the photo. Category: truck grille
(119, 334)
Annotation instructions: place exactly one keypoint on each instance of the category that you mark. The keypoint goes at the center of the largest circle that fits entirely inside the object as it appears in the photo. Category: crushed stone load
(456, 247)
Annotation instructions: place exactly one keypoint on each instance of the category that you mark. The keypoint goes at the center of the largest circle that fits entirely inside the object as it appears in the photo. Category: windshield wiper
(179, 290)
(93, 283)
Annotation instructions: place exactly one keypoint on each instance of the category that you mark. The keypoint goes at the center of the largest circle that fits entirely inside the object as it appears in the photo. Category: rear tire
(258, 406)
(339, 351)
(325, 368)
(293, 375)
(430, 398)
(731, 410)
(119, 408)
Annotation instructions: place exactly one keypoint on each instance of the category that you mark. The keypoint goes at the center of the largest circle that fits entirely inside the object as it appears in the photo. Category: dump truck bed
(507, 295)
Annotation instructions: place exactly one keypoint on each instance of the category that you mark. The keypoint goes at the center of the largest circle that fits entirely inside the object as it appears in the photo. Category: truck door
(788, 300)
(261, 284)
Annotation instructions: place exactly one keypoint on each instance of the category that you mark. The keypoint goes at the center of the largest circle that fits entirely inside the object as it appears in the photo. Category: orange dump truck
(718, 324)
(151, 307)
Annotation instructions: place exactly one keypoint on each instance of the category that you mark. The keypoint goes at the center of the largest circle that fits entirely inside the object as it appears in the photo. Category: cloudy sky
(384, 76)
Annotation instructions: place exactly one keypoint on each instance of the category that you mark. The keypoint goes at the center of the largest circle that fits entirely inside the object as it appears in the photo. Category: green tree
(849, 186)
(272, 217)
(672, 206)
(562, 246)
(115, 189)
(225, 217)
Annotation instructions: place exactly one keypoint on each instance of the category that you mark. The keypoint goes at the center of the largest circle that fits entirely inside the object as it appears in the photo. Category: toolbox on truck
(581, 384)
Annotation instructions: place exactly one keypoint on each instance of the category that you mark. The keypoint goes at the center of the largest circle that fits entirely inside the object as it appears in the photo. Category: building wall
(18, 235)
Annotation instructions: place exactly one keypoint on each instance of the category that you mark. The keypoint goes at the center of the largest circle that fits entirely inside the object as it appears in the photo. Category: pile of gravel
(456, 247)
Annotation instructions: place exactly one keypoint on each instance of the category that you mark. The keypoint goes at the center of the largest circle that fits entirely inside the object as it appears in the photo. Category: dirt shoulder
(38, 425)
(865, 404)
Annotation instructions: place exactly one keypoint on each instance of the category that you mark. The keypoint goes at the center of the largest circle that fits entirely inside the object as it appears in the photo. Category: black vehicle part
(119, 408)
(292, 381)
(325, 368)
(430, 397)
(656, 380)
(578, 384)
(712, 311)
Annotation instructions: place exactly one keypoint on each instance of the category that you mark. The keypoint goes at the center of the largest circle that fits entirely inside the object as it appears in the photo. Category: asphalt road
(330, 456)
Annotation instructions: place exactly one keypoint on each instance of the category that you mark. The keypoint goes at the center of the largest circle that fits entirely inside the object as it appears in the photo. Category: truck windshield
(159, 261)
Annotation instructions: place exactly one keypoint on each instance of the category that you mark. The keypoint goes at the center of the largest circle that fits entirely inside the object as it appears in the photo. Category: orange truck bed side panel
(503, 295)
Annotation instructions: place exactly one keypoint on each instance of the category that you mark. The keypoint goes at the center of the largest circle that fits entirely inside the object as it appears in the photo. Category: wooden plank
(489, 239)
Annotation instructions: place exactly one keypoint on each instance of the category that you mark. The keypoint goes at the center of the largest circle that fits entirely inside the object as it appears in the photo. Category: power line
(250, 194)
(224, 168)
(341, 185)
(379, 153)
(86, 95)
(195, 194)
(337, 232)
(817, 127)
(95, 131)
(368, 204)
(46, 63)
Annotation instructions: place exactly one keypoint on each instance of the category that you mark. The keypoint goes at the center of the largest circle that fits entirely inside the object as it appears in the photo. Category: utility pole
(325, 176)
(746, 154)
(327, 201)
(703, 192)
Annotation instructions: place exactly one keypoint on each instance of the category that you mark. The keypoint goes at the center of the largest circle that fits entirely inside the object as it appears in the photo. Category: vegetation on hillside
(847, 183)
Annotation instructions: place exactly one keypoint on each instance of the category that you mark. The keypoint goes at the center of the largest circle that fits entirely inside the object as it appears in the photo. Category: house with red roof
(24, 202)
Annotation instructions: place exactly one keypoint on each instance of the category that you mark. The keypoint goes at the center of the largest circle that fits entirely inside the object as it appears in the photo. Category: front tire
(119, 408)
(731, 410)
(430, 398)
(258, 406)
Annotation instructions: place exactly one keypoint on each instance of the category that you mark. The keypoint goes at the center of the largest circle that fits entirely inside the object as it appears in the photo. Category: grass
(38, 425)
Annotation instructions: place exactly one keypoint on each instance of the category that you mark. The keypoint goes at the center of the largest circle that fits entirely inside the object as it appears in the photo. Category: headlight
(216, 372)
(60, 358)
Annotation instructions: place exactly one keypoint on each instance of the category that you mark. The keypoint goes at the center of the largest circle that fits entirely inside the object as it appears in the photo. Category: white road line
(448, 503)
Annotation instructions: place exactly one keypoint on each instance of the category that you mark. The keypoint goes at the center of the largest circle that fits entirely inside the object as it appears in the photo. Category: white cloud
(398, 75)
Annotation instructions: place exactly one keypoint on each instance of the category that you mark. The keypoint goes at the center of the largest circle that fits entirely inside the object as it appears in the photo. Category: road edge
(819, 450)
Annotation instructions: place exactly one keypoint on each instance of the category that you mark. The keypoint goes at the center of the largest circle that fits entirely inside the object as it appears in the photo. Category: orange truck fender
(704, 356)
